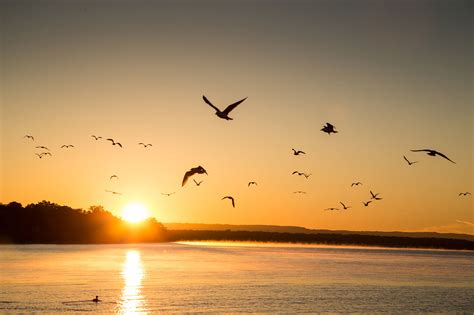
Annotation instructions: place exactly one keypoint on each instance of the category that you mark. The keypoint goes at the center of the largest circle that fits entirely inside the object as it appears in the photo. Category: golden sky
(390, 75)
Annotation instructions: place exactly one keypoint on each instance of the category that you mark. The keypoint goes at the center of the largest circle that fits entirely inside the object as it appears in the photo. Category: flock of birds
(224, 114)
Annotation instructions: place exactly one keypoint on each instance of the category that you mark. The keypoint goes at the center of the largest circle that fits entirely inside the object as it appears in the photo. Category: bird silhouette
(223, 114)
(197, 183)
(331, 209)
(298, 152)
(115, 143)
(145, 145)
(464, 194)
(191, 172)
(113, 192)
(231, 198)
(306, 175)
(42, 147)
(96, 137)
(67, 146)
(375, 196)
(168, 194)
(344, 206)
(356, 184)
(434, 153)
(29, 137)
(299, 192)
(328, 128)
(113, 176)
(252, 183)
(296, 172)
(367, 203)
(409, 163)
(40, 155)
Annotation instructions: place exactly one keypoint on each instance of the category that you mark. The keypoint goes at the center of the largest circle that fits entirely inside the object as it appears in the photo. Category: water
(211, 278)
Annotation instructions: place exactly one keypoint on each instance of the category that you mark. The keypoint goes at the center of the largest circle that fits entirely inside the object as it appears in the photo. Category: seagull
(231, 198)
(115, 143)
(191, 172)
(299, 192)
(409, 163)
(30, 137)
(42, 147)
(114, 176)
(113, 192)
(434, 153)
(223, 114)
(96, 137)
(344, 206)
(328, 128)
(145, 145)
(374, 196)
(197, 183)
(296, 172)
(67, 146)
(367, 203)
(40, 155)
(464, 194)
(356, 184)
(252, 183)
(168, 194)
(306, 175)
(331, 209)
(298, 152)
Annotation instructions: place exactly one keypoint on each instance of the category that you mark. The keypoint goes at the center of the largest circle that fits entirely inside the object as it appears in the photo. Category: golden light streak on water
(132, 301)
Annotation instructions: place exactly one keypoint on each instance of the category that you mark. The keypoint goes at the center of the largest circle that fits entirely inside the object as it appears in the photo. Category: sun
(135, 212)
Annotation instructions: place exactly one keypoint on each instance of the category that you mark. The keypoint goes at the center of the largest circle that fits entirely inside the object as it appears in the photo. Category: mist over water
(153, 278)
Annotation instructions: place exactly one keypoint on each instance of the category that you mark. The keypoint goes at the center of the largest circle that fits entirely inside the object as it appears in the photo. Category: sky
(390, 75)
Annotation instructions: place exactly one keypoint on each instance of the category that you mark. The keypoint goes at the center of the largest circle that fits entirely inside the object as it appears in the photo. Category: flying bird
(328, 128)
(331, 209)
(145, 145)
(42, 147)
(231, 198)
(40, 155)
(296, 172)
(367, 203)
(223, 114)
(298, 152)
(115, 143)
(344, 206)
(191, 172)
(356, 184)
(252, 183)
(67, 146)
(306, 175)
(375, 196)
(113, 192)
(197, 183)
(168, 194)
(409, 163)
(113, 176)
(464, 194)
(96, 137)
(30, 137)
(434, 153)
(299, 192)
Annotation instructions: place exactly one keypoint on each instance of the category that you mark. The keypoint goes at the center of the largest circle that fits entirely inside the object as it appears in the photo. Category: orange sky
(390, 76)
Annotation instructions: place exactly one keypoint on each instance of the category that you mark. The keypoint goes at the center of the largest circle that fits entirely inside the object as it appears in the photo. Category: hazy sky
(390, 75)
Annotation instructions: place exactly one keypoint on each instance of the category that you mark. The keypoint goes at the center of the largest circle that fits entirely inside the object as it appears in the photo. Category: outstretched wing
(422, 150)
(233, 203)
(209, 103)
(232, 106)
(186, 176)
(406, 159)
(441, 154)
(111, 140)
(119, 144)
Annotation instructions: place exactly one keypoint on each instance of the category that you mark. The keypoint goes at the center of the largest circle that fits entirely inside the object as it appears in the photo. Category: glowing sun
(135, 212)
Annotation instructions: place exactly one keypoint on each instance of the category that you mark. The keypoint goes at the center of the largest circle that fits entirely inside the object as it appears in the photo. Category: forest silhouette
(49, 223)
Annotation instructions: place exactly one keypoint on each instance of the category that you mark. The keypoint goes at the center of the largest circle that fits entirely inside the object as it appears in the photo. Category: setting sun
(135, 212)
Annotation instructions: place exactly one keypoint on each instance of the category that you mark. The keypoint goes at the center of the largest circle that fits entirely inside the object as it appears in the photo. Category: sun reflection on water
(132, 301)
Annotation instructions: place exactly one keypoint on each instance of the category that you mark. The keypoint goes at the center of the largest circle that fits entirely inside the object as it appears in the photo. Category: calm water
(194, 278)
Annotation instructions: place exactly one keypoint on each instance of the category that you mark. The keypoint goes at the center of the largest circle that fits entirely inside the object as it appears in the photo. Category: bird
(344, 206)
(375, 196)
(113, 192)
(114, 176)
(40, 155)
(145, 145)
(168, 194)
(367, 203)
(30, 137)
(67, 146)
(298, 152)
(223, 114)
(296, 172)
(252, 183)
(299, 192)
(197, 183)
(434, 153)
(195, 170)
(231, 198)
(306, 175)
(409, 163)
(331, 209)
(96, 300)
(356, 184)
(328, 128)
(96, 137)
(464, 194)
(42, 147)
(115, 143)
